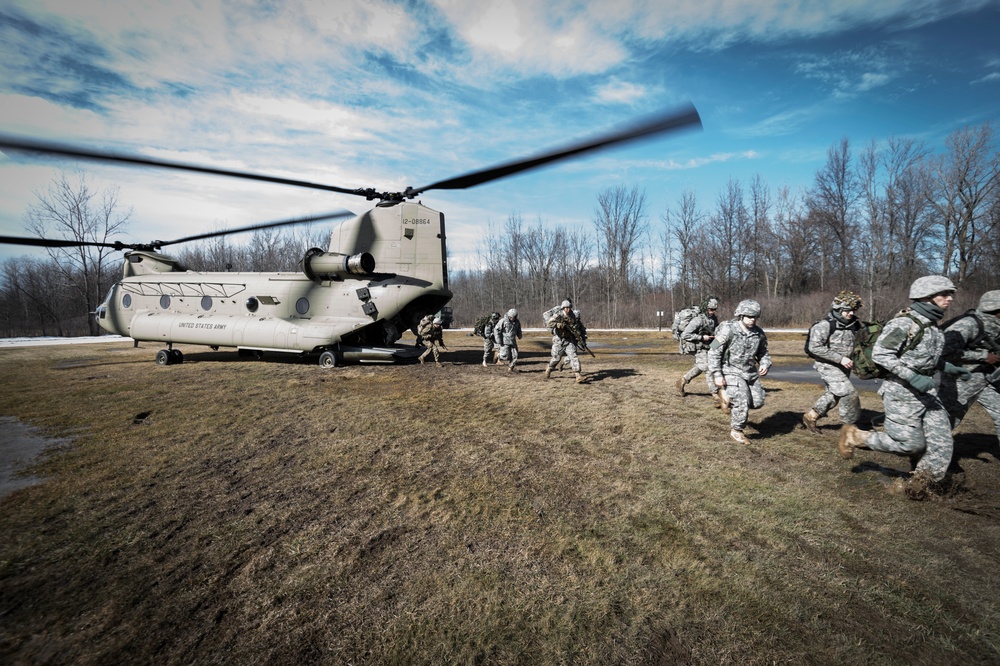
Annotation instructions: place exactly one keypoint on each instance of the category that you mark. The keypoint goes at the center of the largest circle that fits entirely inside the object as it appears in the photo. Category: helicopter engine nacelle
(320, 266)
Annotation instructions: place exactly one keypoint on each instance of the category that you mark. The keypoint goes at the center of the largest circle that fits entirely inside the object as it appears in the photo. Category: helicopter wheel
(327, 360)
(176, 357)
(163, 357)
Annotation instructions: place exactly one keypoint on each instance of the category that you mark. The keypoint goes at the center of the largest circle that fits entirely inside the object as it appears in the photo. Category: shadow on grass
(976, 446)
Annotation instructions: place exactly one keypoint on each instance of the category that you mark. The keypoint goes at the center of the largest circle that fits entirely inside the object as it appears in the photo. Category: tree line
(875, 217)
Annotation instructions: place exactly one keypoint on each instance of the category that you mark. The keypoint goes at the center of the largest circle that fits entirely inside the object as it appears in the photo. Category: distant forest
(876, 217)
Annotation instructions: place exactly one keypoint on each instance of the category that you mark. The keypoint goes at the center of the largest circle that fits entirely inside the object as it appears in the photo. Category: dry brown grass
(235, 511)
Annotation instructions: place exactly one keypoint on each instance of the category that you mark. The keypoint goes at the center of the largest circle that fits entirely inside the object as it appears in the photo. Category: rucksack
(830, 330)
(980, 336)
(480, 327)
(682, 319)
(864, 342)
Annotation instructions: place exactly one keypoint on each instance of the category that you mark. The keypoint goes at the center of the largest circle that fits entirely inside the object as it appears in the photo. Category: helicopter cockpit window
(127, 301)
(165, 302)
(206, 302)
(252, 304)
(302, 306)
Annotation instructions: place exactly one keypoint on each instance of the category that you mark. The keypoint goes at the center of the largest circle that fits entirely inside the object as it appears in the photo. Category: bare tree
(73, 211)
(831, 202)
(620, 221)
(963, 183)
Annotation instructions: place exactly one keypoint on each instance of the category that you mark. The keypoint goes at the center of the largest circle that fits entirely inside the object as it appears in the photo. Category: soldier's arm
(716, 350)
(819, 342)
(885, 353)
(763, 356)
(956, 340)
(692, 332)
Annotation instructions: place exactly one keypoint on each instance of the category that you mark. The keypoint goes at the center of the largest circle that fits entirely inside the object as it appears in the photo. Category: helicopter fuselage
(385, 269)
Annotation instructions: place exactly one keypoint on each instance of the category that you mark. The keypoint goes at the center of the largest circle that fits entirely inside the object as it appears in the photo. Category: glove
(992, 359)
(952, 369)
(922, 383)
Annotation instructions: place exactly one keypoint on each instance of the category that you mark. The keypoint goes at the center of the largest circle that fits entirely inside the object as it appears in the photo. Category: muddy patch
(20, 444)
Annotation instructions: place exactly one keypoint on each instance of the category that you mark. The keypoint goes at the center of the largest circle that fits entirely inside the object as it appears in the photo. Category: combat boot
(809, 421)
(739, 436)
(851, 437)
(548, 371)
(727, 404)
(717, 400)
(421, 360)
(679, 385)
(484, 364)
(580, 379)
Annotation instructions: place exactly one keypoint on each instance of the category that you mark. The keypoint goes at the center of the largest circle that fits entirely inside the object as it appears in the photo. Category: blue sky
(370, 93)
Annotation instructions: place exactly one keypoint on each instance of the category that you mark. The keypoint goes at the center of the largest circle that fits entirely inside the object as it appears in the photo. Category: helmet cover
(930, 285)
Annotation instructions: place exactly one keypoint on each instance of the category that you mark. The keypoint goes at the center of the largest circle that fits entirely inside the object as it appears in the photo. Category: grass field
(237, 511)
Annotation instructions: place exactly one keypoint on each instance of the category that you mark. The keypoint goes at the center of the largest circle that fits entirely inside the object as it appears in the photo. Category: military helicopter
(383, 271)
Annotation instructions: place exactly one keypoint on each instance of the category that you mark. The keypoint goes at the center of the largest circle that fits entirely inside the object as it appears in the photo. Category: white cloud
(989, 78)
(616, 91)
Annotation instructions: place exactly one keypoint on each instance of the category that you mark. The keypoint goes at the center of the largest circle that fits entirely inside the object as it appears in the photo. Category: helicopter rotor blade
(334, 215)
(685, 117)
(118, 245)
(17, 144)
(52, 242)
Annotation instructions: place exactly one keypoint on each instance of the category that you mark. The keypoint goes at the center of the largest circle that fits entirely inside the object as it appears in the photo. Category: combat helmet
(990, 301)
(929, 285)
(710, 303)
(566, 304)
(512, 313)
(495, 316)
(747, 308)
(846, 300)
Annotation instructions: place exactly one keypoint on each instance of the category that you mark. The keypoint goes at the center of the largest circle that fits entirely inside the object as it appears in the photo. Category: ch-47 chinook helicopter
(383, 271)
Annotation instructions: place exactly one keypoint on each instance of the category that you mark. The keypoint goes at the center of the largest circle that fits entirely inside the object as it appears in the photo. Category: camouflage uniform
(488, 342)
(830, 343)
(972, 348)
(909, 348)
(739, 354)
(703, 324)
(506, 335)
(564, 342)
(432, 334)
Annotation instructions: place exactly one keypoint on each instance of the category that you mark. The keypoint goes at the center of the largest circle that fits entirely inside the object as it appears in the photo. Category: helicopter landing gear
(169, 357)
(327, 360)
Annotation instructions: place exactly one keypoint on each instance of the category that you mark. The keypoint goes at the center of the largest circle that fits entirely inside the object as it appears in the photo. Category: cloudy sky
(374, 93)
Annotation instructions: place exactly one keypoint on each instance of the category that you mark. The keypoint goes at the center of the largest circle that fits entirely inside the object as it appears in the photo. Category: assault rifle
(572, 325)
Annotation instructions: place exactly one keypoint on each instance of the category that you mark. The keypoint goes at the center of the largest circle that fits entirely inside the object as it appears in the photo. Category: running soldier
(698, 336)
(973, 341)
(737, 359)
(909, 348)
(432, 335)
(831, 341)
(568, 337)
(505, 335)
(488, 342)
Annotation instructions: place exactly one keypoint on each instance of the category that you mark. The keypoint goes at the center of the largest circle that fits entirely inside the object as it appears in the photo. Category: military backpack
(480, 326)
(864, 342)
(681, 320)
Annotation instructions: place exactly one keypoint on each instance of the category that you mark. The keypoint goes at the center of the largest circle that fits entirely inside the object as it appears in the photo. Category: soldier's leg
(957, 396)
(487, 348)
(701, 362)
(937, 435)
(693, 372)
(904, 417)
(756, 393)
(437, 356)
(504, 354)
(574, 358)
(513, 356)
(739, 396)
(557, 351)
(990, 400)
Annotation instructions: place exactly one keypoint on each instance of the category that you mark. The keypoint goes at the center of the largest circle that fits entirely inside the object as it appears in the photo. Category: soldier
(568, 336)
(831, 341)
(698, 335)
(737, 359)
(973, 341)
(506, 334)
(432, 334)
(909, 348)
(488, 343)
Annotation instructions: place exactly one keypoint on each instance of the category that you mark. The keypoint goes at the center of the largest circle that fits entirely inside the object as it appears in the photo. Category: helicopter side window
(165, 302)
(206, 302)
(127, 301)
(302, 306)
(252, 304)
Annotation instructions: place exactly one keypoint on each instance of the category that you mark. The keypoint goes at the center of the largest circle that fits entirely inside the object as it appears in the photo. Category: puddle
(20, 444)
